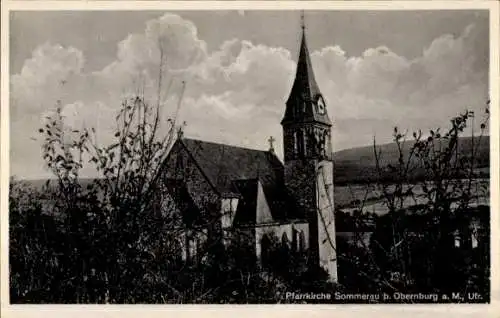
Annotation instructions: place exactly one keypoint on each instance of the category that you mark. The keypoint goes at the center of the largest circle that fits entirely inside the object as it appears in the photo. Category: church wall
(278, 230)
(180, 165)
(245, 238)
(302, 178)
(299, 179)
(326, 220)
(189, 245)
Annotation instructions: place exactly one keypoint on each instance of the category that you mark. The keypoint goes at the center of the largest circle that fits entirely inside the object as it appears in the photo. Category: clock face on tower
(321, 106)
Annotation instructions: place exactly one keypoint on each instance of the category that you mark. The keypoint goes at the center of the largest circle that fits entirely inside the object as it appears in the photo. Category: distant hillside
(357, 165)
(40, 183)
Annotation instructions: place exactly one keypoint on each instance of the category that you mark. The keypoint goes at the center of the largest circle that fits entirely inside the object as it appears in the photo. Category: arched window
(304, 140)
(283, 257)
(302, 242)
(322, 145)
(295, 144)
(300, 143)
(285, 242)
(265, 250)
(194, 247)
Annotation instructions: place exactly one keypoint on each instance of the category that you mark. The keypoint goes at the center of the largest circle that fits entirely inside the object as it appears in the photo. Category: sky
(376, 70)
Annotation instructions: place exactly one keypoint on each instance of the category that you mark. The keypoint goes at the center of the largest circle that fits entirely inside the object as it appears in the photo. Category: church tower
(308, 160)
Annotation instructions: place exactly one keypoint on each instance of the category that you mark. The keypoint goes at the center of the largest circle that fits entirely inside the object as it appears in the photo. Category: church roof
(222, 164)
(305, 90)
(235, 171)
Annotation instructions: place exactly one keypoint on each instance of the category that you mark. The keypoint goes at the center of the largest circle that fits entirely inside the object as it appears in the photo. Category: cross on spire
(180, 130)
(271, 146)
(302, 21)
(180, 133)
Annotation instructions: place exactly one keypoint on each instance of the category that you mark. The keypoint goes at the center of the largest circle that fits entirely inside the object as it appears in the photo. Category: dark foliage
(435, 237)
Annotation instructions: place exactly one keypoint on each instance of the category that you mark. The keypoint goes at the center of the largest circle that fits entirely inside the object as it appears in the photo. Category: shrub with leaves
(413, 246)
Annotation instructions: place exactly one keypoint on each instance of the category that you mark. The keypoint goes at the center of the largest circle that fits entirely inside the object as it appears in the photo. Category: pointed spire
(304, 77)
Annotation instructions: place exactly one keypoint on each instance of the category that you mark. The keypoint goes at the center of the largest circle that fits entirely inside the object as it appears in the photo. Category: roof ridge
(225, 145)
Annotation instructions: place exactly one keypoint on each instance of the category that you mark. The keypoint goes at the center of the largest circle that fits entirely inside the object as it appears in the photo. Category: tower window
(322, 145)
(295, 143)
(304, 137)
(300, 143)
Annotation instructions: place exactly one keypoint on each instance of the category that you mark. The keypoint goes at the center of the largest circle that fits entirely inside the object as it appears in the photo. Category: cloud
(41, 80)
(236, 93)
(387, 89)
(169, 35)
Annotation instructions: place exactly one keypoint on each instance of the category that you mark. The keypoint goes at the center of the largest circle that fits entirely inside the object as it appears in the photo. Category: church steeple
(308, 161)
(305, 102)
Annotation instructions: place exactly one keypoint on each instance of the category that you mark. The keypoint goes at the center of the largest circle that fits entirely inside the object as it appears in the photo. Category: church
(253, 192)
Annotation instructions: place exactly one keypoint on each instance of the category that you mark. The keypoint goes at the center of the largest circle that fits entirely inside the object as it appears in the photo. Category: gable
(186, 178)
(263, 210)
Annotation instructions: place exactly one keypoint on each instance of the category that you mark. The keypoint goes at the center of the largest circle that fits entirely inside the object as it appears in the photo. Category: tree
(114, 241)
(122, 238)
(435, 186)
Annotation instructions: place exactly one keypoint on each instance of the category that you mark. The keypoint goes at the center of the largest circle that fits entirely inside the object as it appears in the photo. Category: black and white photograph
(249, 156)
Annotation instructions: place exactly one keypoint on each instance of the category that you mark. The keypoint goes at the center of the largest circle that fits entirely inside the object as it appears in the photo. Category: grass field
(350, 197)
